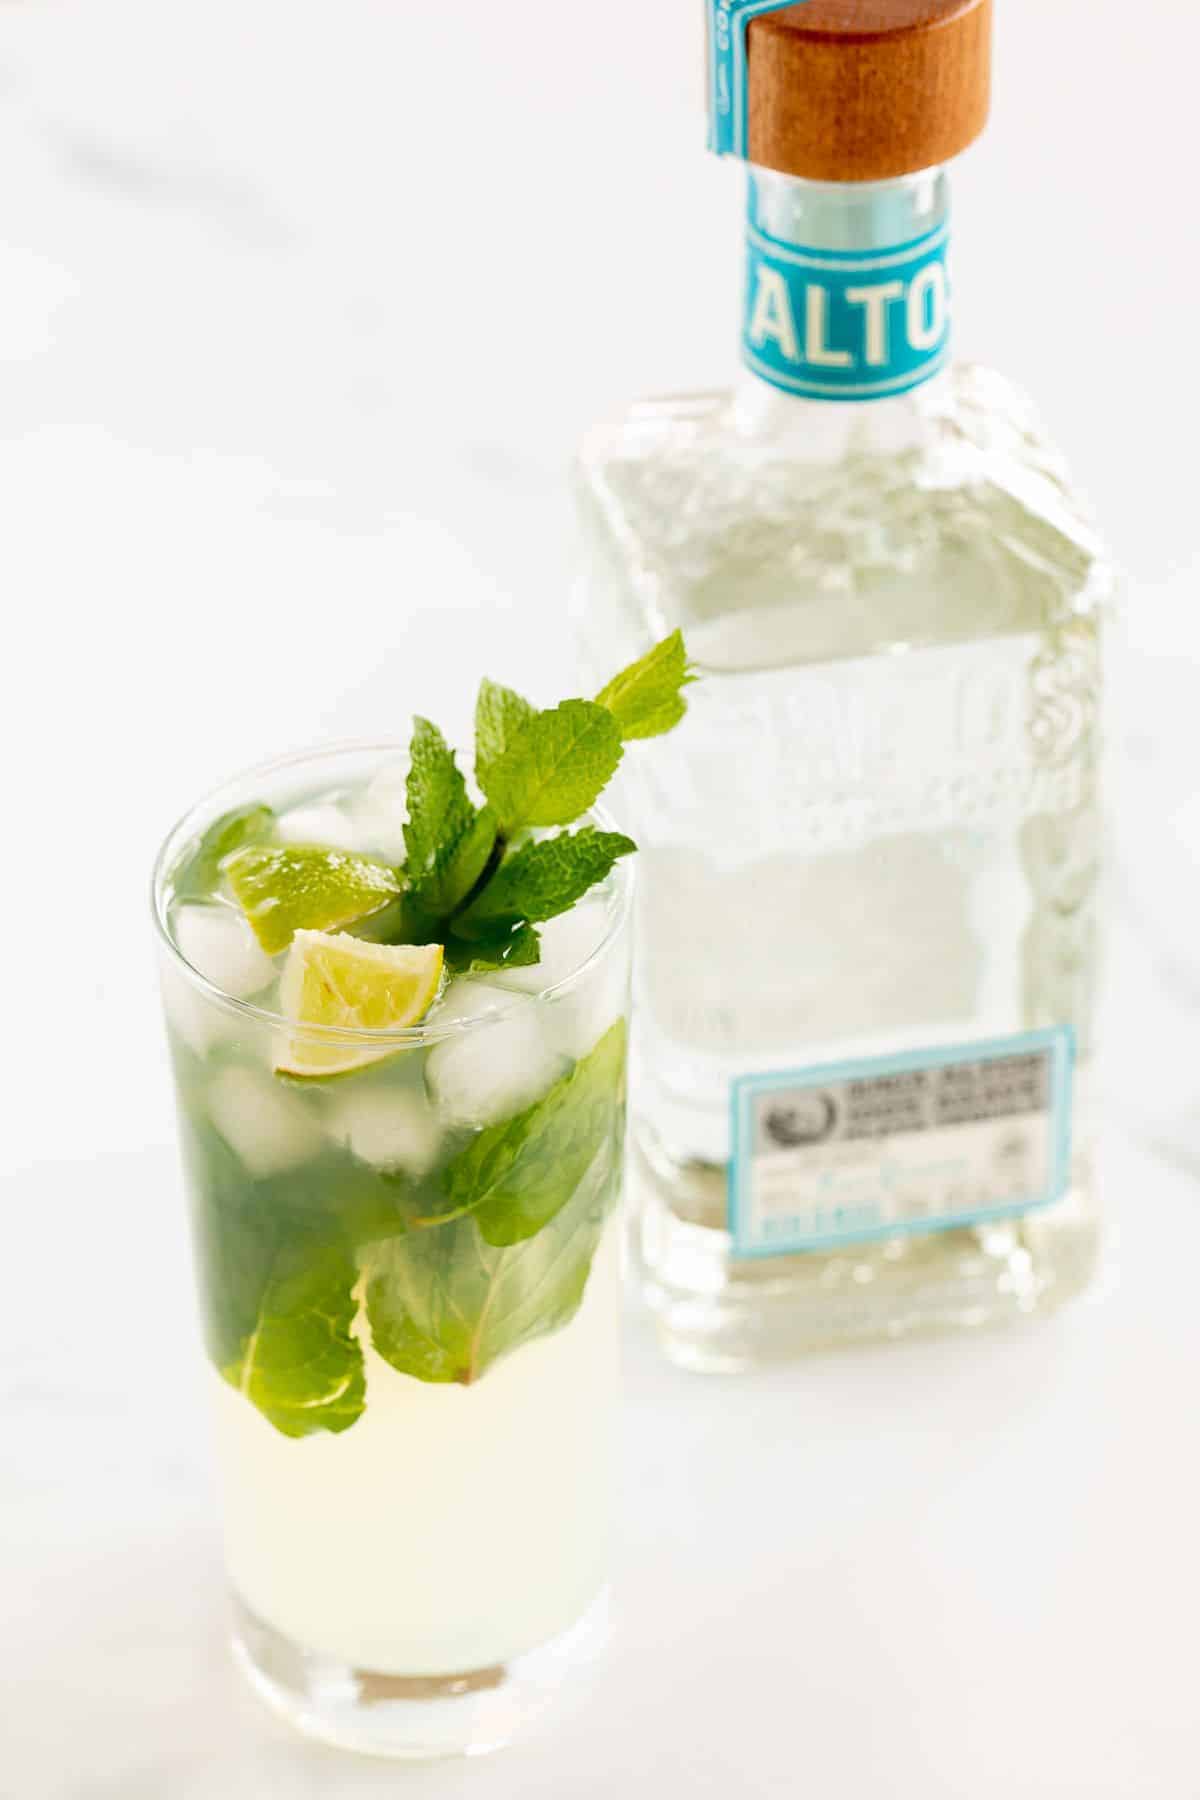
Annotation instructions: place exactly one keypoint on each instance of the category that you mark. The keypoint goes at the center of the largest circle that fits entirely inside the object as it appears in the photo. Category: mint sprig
(500, 717)
(475, 882)
(542, 880)
(556, 766)
(475, 879)
(647, 699)
(439, 809)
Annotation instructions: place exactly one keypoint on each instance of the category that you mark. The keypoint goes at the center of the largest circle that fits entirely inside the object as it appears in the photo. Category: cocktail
(397, 1011)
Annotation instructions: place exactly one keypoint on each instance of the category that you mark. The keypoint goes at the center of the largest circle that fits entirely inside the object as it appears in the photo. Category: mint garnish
(472, 883)
(447, 840)
(541, 880)
(647, 699)
(555, 767)
(500, 715)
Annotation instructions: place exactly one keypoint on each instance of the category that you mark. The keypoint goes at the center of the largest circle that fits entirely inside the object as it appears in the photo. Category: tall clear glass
(414, 1425)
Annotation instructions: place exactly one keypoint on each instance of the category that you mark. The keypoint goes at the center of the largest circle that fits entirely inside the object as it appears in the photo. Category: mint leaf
(647, 699)
(444, 1305)
(500, 716)
(502, 949)
(301, 1366)
(449, 843)
(439, 809)
(555, 768)
(515, 1177)
(542, 880)
(201, 875)
(276, 1263)
(458, 866)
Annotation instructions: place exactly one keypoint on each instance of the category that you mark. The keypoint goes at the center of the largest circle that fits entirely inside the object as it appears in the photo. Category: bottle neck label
(846, 324)
(728, 73)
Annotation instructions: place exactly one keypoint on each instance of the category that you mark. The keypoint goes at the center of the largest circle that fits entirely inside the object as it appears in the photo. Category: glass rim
(410, 1036)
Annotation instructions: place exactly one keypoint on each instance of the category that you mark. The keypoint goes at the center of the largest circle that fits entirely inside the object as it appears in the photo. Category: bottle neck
(847, 317)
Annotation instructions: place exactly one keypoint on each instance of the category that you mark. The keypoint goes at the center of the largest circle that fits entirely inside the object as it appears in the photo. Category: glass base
(718, 1315)
(418, 1717)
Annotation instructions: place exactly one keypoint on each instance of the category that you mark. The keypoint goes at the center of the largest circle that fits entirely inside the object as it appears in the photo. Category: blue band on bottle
(846, 324)
(728, 100)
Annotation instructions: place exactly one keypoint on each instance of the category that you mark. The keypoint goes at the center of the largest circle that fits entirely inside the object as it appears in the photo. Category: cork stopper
(865, 90)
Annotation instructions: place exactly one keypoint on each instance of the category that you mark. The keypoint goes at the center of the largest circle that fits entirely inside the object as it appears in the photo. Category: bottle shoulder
(807, 518)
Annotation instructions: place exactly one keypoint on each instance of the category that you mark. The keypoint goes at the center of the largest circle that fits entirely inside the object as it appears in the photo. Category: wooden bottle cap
(865, 90)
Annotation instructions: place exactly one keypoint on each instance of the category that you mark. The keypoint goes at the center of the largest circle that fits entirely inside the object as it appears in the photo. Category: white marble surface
(300, 311)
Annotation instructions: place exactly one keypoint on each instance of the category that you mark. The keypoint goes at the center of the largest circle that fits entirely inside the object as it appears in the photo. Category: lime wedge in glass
(287, 888)
(353, 986)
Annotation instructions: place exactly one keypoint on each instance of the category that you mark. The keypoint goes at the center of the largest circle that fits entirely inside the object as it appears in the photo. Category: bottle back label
(918, 1142)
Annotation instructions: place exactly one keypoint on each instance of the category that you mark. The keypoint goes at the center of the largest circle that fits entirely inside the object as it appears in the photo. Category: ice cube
(389, 1127)
(324, 825)
(379, 813)
(269, 1127)
(468, 998)
(498, 1068)
(567, 942)
(198, 1021)
(218, 942)
(578, 1019)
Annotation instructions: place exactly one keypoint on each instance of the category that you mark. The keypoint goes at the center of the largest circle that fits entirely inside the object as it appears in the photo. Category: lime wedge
(343, 982)
(287, 888)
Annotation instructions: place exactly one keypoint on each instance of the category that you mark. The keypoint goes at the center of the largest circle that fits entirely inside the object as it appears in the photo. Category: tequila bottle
(868, 919)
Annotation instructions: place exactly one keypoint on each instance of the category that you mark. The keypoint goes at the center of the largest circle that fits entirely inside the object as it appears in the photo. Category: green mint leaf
(542, 880)
(276, 1262)
(556, 766)
(443, 1305)
(458, 867)
(286, 888)
(646, 699)
(201, 875)
(301, 1366)
(449, 843)
(501, 949)
(500, 716)
(439, 809)
(516, 1176)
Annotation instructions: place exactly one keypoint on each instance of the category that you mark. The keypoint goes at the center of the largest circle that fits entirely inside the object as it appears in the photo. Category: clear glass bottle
(878, 831)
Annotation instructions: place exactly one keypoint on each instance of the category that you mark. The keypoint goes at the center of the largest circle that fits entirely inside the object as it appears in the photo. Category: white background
(301, 310)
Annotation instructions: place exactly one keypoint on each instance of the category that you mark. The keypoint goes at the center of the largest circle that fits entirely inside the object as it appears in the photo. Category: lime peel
(287, 888)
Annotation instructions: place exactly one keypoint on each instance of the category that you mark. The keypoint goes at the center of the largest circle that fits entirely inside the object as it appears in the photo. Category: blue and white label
(728, 71)
(846, 324)
(925, 1141)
